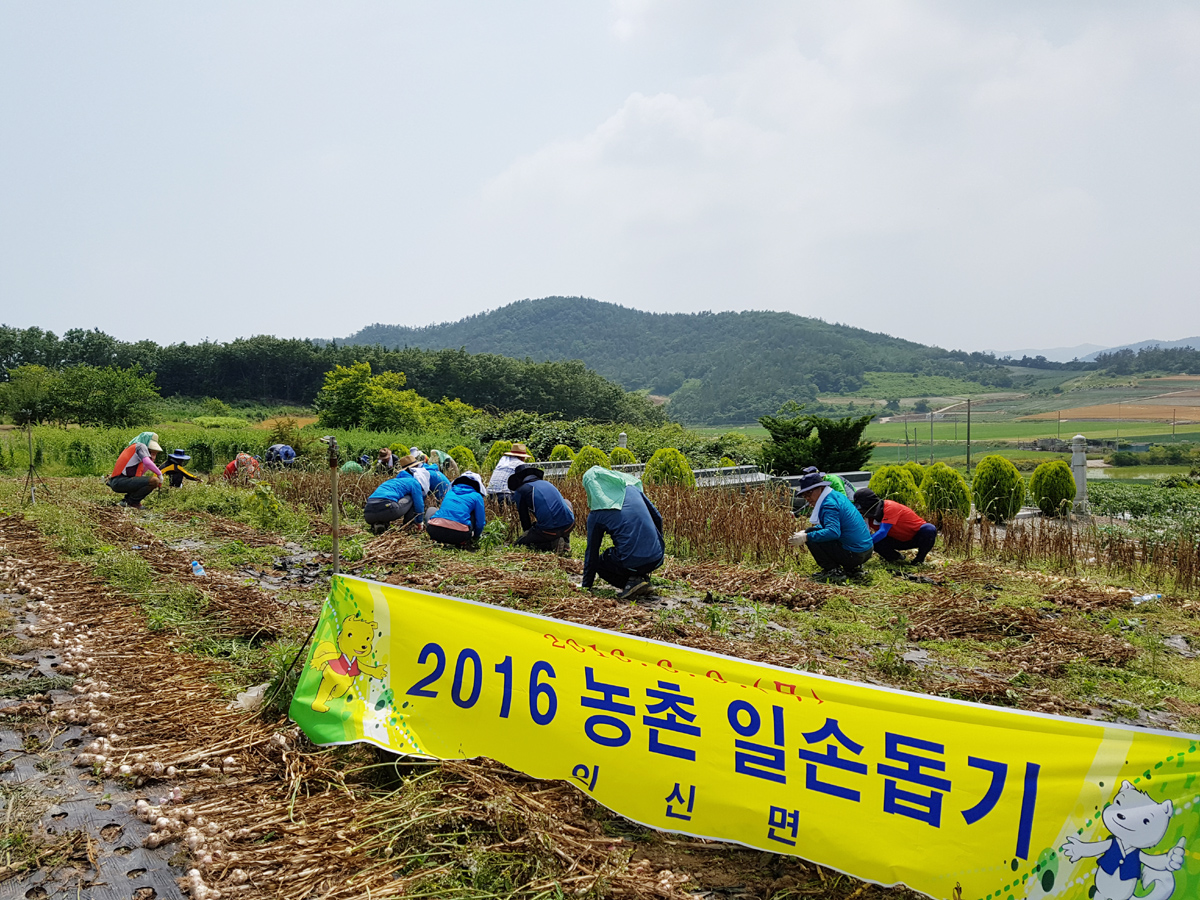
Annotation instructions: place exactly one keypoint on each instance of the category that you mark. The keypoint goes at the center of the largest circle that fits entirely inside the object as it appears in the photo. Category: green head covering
(144, 438)
(606, 488)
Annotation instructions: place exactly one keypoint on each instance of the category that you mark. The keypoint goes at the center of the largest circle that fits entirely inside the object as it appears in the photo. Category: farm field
(1013, 619)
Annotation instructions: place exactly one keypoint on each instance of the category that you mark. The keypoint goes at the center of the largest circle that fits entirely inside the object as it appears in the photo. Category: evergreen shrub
(499, 448)
(727, 463)
(561, 452)
(896, 483)
(998, 488)
(1052, 487)
(465, 458)
(621, 456)
(585, 459)
(669, 466)
(916, 470)
(945, 491)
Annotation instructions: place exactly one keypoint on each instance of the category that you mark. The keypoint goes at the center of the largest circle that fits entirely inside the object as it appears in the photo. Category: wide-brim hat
(519, 450)
(471, 479)
(810, 481)
(524, 473)
(404, 462)
(867, 501)
(179, 456)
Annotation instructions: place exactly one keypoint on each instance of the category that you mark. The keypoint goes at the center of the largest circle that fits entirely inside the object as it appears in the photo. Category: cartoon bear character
(340, 664)
(1136, 823)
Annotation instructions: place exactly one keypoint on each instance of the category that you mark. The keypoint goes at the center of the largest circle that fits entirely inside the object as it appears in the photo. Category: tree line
(278, 370)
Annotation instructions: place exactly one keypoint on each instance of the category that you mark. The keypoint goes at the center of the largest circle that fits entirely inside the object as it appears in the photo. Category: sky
(981, 175)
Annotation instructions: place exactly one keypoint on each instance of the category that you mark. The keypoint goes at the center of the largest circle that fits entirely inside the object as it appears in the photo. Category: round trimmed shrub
(498, 449)
(998, 488)
(621, 456)
(669, 466)
(561, 452)
(465, 458)
(727, 463)
(945, 491)
(585, 459)
(1052, 487)
(896, 483)
(916, 470)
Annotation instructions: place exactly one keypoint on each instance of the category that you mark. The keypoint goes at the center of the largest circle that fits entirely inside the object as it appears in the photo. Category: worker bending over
(459, 521)
(838, 538)
(401, 499)
(135, 475)
(895, 527)
(546, 515)
(620, 509)
(174, 470)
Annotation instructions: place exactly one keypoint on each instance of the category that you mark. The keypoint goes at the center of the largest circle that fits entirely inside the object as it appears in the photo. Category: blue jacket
(463, 504)
(637, 534)
(438, 483)
(539, 503)
(838, 520)
(403, 485)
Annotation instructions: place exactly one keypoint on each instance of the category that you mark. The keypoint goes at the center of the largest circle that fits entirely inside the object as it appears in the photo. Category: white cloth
(815, 515)
(498, 483)
(422, 475)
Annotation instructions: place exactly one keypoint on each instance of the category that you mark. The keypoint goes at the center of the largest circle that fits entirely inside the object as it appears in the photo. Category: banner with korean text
(888, 786)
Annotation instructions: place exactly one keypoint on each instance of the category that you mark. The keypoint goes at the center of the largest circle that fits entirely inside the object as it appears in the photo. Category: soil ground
(105, 624)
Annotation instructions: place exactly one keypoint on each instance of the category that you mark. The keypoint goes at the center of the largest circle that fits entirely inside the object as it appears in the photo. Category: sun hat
(519, 450)
(149, 438)
(606, 488)
(867, 502)
(524, 473)
(811, 479)
(473, 480)
(179, 456)
(404, 462)
(418, 454)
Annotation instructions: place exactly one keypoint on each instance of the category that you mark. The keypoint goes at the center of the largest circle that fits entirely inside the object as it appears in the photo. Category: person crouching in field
(505, 466)
(895, 527)
(838, 539)
(174, 471)
(401, 498)
(620, 509)
(546, 515)
(135, 475)
(459, 521)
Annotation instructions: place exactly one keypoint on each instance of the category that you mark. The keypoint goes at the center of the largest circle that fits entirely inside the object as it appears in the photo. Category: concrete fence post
(1079, 470)
(622, 439)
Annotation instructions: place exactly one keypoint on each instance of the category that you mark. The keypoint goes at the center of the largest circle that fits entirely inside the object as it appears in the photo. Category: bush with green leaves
(1052, 487)
(622, 457)
(727, 463)
(561, 453)
(916, 470)
(896, 483)
(997, 488)
(669, 466)
(585, 459)
(799, 440)
(498, 449)
(945, 491)
(465, 458)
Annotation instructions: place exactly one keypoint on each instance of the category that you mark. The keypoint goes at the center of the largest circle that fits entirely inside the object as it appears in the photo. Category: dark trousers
(451, 536)
(922, 542)
(832, 555)
(611, 569)
(544, 539)
(382, 512)
(135, 489)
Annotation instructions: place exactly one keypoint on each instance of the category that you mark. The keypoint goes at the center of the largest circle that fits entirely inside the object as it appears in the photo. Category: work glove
(799, 539)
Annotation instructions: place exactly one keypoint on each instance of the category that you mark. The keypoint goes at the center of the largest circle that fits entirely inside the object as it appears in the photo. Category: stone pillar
(1079, 470)
(622, 439)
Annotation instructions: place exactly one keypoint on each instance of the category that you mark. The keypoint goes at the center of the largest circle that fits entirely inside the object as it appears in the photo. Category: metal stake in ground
(331, 441)
(32, 478)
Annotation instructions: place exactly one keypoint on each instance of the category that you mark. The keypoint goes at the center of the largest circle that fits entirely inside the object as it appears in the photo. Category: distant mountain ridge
(717, 368)
(1193, 342)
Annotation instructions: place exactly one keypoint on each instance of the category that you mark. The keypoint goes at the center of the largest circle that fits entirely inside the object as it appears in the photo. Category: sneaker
(859, 576)
(829, 576)
(635, 587)
(562, 546)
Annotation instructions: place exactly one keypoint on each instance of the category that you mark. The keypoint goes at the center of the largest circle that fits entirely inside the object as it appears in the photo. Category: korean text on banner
(888, 786)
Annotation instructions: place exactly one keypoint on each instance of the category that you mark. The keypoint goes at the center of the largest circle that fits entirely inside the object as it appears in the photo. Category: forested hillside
(272, 369)
(729, 367)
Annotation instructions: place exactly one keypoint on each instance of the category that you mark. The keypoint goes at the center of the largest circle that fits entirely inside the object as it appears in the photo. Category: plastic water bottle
(1146, 598)
(197, 569)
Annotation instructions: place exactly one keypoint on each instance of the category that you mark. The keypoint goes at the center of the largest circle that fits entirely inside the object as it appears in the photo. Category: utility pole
(1060, 424)
(1172, 425)
(906, 438)
(968, 435)
(931, 437)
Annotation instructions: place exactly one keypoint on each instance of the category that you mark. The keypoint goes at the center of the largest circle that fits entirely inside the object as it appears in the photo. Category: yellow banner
(884, 785)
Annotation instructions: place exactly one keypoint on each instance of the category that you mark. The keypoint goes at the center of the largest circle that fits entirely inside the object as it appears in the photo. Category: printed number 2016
(474, 682)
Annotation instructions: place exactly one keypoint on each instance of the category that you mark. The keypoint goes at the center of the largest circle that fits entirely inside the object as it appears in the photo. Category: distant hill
(1054, 354)
(1193, 342)
(717, 368)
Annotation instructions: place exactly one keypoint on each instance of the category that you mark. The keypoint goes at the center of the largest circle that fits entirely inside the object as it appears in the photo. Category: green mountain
(717, 368)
